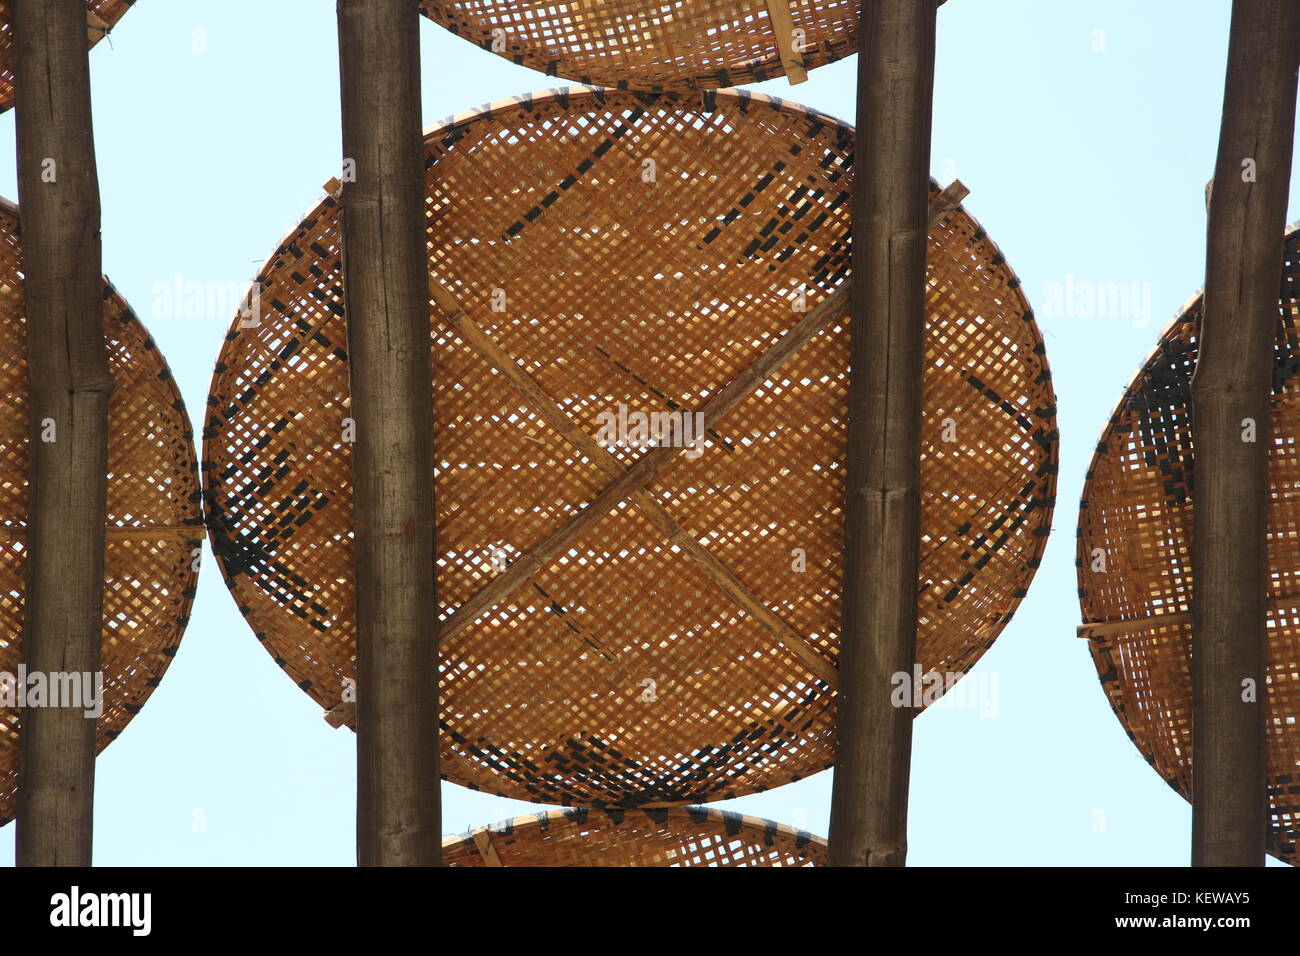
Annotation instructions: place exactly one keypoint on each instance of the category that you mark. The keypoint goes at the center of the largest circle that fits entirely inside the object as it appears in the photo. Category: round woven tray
(676, 836)
(621, 672)
(154, 524)
(101, 17)
(1136, 516)
(692, 44)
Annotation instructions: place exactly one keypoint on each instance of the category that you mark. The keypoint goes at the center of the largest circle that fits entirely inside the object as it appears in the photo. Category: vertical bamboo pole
(1230, 420)
(882, 495)
(387, 289)
(58, 189)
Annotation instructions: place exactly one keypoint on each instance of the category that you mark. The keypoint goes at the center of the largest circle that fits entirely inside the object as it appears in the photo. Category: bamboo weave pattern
(621, 673)
(689, 44)
(677, 836)
(1135, 564)
(155, 528)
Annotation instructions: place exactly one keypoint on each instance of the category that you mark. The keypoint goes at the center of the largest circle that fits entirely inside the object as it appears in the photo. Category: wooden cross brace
(630, 483)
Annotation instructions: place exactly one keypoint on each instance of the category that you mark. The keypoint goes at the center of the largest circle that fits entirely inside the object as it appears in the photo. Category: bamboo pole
(70, 383)
(1230, 415)
(882, 494)
(386, 286)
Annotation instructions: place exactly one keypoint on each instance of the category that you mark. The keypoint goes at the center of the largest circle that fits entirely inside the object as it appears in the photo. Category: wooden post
(58, 189)
(1230, 421)
(387, 288)
(882, 495)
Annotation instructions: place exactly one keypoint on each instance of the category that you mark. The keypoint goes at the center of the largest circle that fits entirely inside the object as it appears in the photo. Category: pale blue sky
(1086, 154)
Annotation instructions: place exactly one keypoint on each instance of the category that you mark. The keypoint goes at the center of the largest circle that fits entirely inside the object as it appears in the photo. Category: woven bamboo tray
(1136, 515)
(628, 44)
(677, 836)
(154, 522)
(682, 648)
(101, 17)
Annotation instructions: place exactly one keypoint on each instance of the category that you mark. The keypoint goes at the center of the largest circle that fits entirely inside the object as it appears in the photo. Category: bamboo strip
(778, 13)
(486, 851)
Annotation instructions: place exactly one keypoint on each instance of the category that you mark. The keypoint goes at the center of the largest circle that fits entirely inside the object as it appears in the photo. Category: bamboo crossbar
(1178, 618)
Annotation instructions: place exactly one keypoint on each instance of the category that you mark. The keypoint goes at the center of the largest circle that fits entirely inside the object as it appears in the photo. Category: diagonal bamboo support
(645, 469)
(557, 418)
(654, 461)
